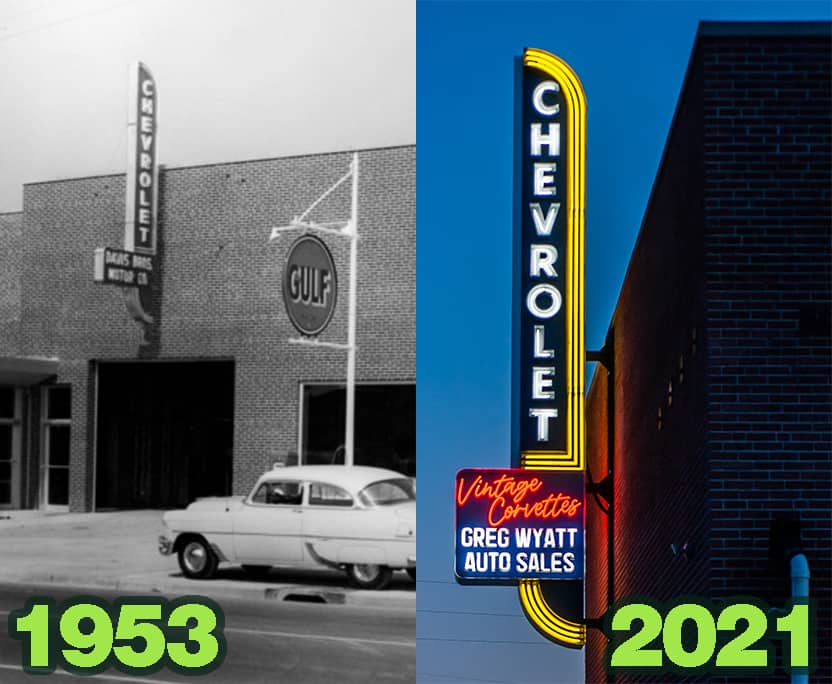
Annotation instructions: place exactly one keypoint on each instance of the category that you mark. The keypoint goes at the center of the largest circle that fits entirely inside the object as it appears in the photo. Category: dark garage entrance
(165, 433)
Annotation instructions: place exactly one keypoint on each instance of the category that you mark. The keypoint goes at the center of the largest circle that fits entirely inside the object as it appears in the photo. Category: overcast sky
(236, 80)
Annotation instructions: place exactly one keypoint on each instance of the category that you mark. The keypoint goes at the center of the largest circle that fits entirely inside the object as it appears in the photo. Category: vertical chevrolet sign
(548, 430)
(142, 170)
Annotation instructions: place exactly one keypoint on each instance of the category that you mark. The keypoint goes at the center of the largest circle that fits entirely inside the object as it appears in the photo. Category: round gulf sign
(310, 285)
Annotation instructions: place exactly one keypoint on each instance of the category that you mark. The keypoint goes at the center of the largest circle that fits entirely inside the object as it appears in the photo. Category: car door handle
(297, 510)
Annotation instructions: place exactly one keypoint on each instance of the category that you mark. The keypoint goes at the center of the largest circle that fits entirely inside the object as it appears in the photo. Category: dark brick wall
(220, 295)
(729, 282)
(660, 470)
(596, 522)
(768, 141)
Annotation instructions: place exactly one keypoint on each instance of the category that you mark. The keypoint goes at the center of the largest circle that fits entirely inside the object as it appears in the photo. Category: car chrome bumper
(411, 561)
(165, 545)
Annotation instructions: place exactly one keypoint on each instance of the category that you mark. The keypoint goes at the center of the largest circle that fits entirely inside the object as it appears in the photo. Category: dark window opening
(6, 402)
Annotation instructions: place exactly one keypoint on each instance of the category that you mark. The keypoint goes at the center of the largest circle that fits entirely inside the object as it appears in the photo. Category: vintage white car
(358, 519)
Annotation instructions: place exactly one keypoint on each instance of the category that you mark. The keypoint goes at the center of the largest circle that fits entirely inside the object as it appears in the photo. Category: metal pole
(350, 426)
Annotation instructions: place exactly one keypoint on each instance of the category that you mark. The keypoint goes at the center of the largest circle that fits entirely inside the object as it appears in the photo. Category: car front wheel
(196, 559)
(369, 576)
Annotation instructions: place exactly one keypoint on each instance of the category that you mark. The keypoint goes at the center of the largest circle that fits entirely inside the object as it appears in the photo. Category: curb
(275, 592)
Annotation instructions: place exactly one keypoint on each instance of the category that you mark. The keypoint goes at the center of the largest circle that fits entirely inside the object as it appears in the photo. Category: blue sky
(631, 58)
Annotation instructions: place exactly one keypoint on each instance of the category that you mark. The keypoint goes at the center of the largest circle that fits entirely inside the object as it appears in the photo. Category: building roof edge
(167, 169)
(765, 28)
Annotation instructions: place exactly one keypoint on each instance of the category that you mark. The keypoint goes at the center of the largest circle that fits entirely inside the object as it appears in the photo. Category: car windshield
(386, 492)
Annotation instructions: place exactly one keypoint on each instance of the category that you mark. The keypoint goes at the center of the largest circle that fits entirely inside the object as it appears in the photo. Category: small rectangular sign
(119, 267)
(519, 524)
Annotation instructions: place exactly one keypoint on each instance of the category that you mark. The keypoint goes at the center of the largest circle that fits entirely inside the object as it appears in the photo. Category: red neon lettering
(550, 508)
(502, 486)
(507, 495)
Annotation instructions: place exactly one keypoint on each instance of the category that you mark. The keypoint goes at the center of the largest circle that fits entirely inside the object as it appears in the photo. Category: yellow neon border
(545, 619)
(531, 594)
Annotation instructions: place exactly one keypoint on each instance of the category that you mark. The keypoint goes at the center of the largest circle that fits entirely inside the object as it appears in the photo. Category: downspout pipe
(799, 574)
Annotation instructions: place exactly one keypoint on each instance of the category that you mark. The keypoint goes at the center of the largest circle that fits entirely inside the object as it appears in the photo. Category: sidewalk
(118, 551)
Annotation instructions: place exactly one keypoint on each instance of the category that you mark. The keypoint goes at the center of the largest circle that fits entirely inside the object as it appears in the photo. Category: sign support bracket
(349, 229)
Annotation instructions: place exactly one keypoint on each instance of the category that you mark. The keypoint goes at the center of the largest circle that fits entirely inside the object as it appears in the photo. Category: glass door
(56, 431)
(10, 400)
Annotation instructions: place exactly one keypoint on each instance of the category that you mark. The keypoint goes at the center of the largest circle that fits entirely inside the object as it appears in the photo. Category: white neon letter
(543, 415)
(549, 311)
(537, 98)
(542, 382)
(540, 352)
(551, 139)
(543, 225)
(542, 261)
(543, 179)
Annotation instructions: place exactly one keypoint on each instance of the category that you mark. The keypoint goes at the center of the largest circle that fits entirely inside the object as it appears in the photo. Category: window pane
(388, 492)
(58, 486)
(260, 494)
(59, 402)
(6, 402)
(5, 492)
(5, 471)
(58, 445)
(284, 493)
(328, 495)
(6, 442)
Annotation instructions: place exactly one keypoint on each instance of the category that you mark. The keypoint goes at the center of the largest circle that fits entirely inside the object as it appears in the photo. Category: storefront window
(385, 425)
(9, 447)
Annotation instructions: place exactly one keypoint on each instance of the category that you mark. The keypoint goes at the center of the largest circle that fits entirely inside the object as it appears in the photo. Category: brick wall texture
(219, 295)
(723, 354)
(11, 242)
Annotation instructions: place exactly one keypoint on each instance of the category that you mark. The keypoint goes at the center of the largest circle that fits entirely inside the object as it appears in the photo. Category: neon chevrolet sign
(525, 525)
(549, 267)
(548, 425)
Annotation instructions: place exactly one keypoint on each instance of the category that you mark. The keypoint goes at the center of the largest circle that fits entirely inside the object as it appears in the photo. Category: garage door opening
(165, 433)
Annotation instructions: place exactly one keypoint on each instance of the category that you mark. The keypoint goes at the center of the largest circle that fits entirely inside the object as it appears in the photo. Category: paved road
(268, 641)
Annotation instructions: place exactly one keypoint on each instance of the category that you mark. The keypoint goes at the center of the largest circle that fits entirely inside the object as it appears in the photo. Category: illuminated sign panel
(142, 170)
(515, 524)
(543, 267)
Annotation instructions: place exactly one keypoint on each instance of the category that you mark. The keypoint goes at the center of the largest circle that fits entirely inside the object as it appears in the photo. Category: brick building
(97, 412)
(716, 408)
